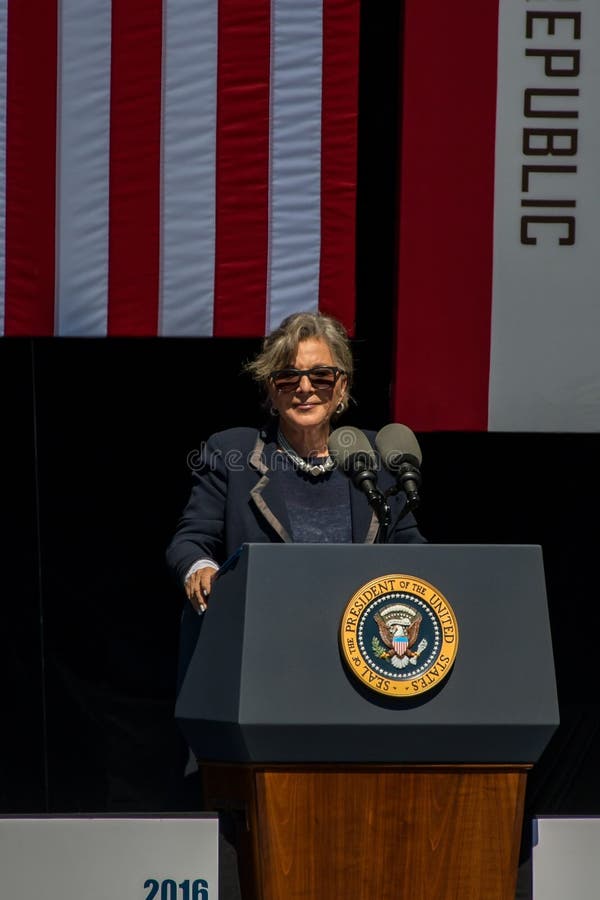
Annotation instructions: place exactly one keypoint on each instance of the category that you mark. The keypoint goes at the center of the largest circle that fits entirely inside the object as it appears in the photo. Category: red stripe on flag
(31, 167)
(134, 184)
(337, 289)
(446, 218)
(242, 168)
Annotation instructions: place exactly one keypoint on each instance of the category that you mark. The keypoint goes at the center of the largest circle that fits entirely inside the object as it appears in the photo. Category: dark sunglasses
(322, 378)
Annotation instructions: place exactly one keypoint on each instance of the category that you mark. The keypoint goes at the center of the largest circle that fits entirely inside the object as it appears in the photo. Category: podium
(341, 792)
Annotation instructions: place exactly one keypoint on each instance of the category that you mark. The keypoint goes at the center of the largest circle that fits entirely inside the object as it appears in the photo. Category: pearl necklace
(314, 469)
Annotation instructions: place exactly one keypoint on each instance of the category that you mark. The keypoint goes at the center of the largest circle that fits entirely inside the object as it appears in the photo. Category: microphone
(352, 452)
(401, 455)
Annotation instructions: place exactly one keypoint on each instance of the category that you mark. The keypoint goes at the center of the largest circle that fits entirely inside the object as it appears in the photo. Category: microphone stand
(412, 498)
(384, 515)
(377, 501)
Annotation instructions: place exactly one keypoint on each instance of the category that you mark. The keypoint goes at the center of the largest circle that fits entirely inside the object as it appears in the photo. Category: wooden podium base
(373, 833)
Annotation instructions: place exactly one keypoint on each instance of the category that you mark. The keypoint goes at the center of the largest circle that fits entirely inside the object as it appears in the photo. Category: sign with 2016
(168, 889)
(107, 857)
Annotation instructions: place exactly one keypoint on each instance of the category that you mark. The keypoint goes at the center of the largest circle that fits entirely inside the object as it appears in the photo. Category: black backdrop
(95, 439)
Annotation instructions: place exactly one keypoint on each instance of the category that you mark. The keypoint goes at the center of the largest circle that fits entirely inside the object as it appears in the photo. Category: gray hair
(279, 348)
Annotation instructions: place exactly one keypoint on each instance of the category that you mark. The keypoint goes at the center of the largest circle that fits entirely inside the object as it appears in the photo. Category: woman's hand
(198, 587)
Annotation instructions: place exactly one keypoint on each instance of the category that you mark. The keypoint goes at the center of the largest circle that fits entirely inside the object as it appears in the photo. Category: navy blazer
(235, 500)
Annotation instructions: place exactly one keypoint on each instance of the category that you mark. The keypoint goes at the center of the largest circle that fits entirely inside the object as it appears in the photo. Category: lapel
(364, 520)
(265, 495)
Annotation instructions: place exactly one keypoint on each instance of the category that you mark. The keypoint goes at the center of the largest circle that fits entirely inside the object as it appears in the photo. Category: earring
(274, 412)
(340, 408)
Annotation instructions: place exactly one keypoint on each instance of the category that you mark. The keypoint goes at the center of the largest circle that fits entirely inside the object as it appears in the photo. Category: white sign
(103, 858)
(566, 859)
(545, 366)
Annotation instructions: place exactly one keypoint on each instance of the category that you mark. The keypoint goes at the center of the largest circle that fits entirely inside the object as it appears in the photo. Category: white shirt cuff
(200, 564)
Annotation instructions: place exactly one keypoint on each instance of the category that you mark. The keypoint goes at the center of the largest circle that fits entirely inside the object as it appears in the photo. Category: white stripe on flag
(188, 162)
(82, 208)
(295, 169)
(545, 364)
(3, 60)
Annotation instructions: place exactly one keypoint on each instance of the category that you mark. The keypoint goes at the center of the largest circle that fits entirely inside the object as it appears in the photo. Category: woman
(278, 484)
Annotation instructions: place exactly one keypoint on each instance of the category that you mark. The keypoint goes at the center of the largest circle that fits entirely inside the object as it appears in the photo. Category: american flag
(176, 167)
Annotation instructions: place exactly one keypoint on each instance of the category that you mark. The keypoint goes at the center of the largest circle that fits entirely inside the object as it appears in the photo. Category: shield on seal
(400, 644)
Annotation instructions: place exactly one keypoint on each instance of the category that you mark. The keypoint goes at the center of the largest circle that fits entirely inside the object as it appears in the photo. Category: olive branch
(378, 649)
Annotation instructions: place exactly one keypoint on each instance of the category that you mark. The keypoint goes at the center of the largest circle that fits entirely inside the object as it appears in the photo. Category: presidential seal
(399, 635)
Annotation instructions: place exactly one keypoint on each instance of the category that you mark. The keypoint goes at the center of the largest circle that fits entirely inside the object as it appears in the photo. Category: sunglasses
(322, 378)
